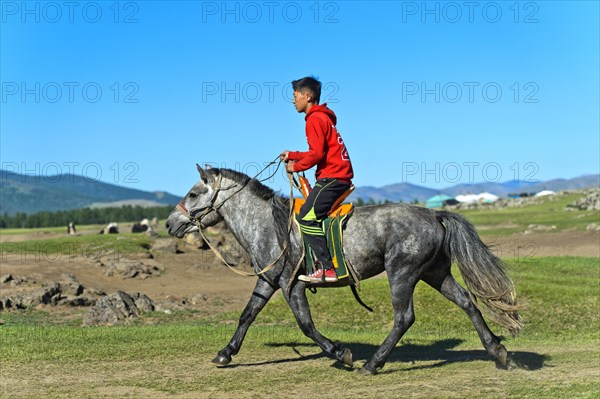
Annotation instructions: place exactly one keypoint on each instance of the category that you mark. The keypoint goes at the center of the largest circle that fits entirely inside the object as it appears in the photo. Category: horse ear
(203, 175)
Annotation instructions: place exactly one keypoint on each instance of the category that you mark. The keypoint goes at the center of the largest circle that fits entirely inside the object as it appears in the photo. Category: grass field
(551, 212)
(86, 245)
(161, 356)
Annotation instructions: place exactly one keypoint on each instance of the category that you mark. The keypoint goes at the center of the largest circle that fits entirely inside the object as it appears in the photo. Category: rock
(94, 291)
(128, 268)
(151, 233)
(230, 250)
(533, 228)
(591, 202)
(17, 280)
(5, 303)
(143, 303)
(49, 295)
(117, 307)
(68, 292)
(197, 299)
(77, 301)
(5, 278)
(232, 258)
(593, 226)
(172, 303)
(166, 245)
(195, 240)
(70, 285)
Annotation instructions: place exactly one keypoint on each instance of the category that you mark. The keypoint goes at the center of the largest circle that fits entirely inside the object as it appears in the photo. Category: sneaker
(317, 277)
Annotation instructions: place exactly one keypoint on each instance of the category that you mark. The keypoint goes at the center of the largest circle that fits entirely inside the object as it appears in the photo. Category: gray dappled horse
(409, 243)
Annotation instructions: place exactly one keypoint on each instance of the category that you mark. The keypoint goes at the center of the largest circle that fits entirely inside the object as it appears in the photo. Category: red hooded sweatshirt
(326, 148)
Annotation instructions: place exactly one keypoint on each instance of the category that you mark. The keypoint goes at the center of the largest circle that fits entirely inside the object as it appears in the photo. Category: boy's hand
(284, 156)
(289, 167)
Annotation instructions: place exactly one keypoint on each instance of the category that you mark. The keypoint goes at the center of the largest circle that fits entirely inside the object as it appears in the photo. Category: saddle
(333, 227)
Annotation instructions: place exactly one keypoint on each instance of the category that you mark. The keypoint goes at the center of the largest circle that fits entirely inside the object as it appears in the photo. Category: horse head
(197, 205)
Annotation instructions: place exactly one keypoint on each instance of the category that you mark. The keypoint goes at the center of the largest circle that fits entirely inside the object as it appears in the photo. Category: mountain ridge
(408, 192)
(30, 194)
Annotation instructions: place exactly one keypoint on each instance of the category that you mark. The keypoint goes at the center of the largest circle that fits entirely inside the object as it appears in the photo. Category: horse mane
(279, 204)
(256, 187)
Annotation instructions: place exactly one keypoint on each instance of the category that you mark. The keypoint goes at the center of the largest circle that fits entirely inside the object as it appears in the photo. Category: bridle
(195, 215)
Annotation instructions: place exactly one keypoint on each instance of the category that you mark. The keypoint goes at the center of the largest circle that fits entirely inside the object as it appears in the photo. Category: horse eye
(193, 195)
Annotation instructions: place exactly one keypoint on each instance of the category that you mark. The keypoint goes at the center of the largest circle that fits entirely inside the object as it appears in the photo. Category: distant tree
(4, 221)
(359, 202)
(83, 216)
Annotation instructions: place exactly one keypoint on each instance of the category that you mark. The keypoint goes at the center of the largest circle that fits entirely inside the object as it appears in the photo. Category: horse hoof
(347, 357)
(365, 371)
(222, 360)
(502, 358)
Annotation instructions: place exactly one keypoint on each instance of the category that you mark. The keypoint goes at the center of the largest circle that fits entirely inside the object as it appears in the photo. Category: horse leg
(402, 288)
(299, 306)
(260, 296)
(440, 278)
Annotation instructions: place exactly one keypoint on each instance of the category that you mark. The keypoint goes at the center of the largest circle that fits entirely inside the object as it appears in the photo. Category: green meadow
(46, 353)
(551, 212)
(162, 356)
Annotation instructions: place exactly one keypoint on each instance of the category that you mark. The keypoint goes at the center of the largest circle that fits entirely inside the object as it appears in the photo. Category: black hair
(310, 84)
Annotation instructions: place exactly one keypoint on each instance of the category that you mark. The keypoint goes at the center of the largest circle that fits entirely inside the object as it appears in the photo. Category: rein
(205, 210)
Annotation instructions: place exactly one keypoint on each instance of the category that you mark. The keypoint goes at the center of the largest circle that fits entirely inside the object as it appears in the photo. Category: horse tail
(483, 272)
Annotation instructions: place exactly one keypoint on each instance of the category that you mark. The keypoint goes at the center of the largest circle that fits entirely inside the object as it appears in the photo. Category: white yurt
(466, 198)
(544, 193)
(487, 197)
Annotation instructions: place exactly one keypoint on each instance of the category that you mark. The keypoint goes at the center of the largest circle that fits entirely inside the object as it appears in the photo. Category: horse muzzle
(179, 225)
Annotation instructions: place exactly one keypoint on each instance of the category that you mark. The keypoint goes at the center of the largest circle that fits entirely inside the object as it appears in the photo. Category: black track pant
(314, 211)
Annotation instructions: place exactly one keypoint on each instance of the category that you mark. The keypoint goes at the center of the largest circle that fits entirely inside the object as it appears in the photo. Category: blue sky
(429, 93)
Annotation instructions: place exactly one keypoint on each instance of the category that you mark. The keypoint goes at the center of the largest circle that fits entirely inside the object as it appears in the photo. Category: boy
(334, 172)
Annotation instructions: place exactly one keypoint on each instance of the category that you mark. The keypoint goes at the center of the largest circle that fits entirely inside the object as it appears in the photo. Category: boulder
(69, 292)
(49, 295)
(70, 285)
(116, 308)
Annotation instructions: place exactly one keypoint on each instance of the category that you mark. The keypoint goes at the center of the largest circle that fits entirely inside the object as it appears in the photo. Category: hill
(407, 192)
(30, 194)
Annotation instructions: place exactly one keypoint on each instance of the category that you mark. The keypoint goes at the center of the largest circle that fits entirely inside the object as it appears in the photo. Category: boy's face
(301, 100)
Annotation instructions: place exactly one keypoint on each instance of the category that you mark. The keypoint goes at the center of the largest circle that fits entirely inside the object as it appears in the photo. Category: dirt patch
(565, 243)
(184, 276)
(196, 279)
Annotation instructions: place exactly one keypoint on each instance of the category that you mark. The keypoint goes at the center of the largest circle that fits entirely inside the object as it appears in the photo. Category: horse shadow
(441, 353)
